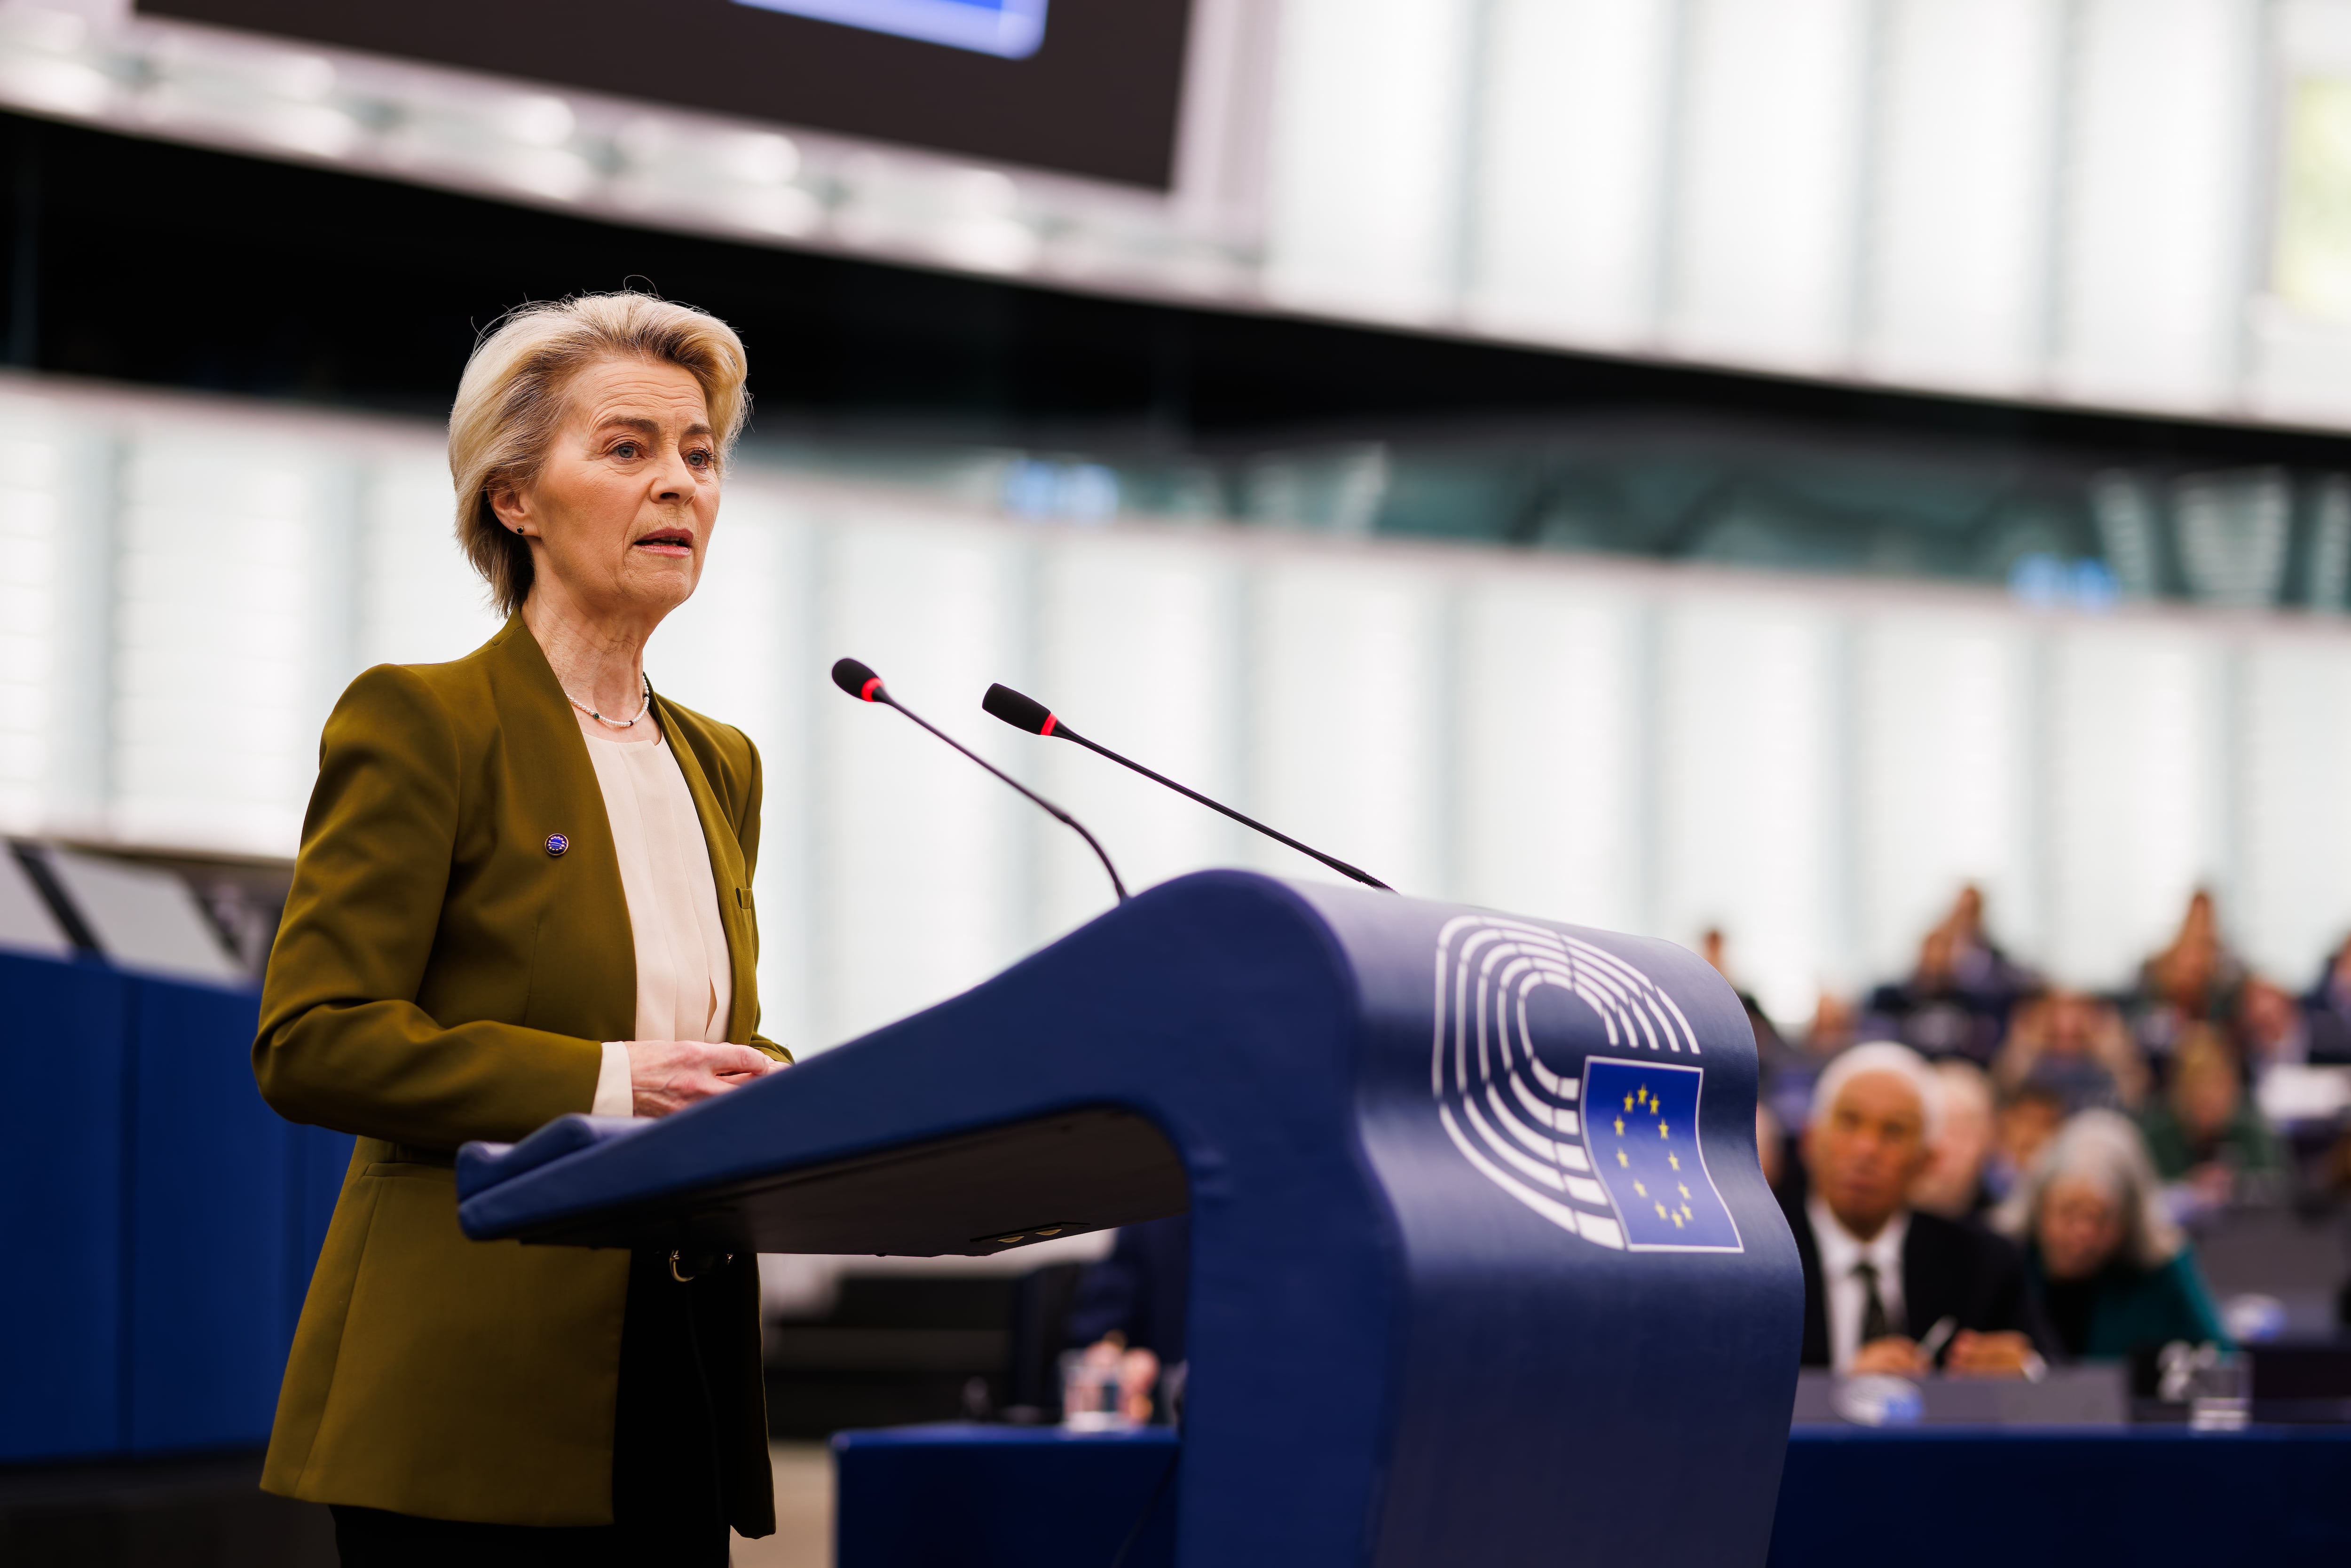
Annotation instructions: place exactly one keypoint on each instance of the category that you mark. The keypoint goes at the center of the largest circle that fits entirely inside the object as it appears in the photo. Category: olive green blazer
(440, 975)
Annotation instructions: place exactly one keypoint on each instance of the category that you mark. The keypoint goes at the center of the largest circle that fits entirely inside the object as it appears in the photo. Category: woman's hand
(667, 1075)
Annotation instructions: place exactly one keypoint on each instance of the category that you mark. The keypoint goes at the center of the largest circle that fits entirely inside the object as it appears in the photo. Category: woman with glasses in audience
(2114, 1273)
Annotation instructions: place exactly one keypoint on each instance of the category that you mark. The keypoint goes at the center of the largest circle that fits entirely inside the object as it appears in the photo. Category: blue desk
(977, 1497)
(1003, 1497)
(2140, 1497)
(161, 1221)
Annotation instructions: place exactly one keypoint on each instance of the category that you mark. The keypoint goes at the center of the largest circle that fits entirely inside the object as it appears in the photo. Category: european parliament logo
(1554, 1074)
(1009, 29)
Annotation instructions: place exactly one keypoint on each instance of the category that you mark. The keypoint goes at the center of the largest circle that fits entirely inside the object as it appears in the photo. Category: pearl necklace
(615, 723)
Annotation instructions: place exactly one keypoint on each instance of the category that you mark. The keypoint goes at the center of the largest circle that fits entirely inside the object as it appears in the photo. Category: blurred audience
(2115, 1274)
(1834, 1026)
(2204, 1133)
(2104, 1124)
(2193, 980)
(1957, 998)
(1983, 967)
(1130, 1307)
(2029, 1116)
(1927, 1010)
(2327, 1010)
(2074, 1046)
(1888, 1289)
(1961, 1148)
(2271, 1028)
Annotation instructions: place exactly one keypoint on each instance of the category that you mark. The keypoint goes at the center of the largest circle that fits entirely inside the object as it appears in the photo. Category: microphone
(1027, 713)
(859, 681)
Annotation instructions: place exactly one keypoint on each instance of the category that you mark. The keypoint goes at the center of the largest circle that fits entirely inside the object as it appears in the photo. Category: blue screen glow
(1010, 28)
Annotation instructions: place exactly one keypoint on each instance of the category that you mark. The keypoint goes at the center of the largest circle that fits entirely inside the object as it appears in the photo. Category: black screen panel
(1099, 96)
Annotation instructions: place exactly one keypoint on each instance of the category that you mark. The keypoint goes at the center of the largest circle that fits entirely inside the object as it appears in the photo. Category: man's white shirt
(1845, 1294)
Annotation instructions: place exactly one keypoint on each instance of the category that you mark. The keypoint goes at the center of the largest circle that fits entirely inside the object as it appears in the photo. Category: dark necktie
(1874, 1325)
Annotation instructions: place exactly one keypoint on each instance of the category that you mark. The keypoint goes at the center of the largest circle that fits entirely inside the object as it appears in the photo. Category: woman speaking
(524, 890)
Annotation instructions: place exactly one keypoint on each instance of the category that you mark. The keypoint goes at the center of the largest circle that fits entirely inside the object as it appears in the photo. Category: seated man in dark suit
(1131, 1306)
(2326, 1012)
(1879, 1277)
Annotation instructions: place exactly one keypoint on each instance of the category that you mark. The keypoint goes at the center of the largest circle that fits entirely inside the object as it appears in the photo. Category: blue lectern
(1484, 1268)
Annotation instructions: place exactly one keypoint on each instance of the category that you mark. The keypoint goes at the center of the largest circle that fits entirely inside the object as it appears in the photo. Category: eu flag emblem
(1640, 1122)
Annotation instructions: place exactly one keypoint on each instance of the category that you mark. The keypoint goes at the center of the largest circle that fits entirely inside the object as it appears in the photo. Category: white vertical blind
(1961, 194)
(1367, 151)
(2137, 747)
(1940, 776)
(1770, 129)
(2059, 197)
(224, 601)
(2304, 297)
(2159, 202)
(1551, 759)
(1138, 646)
(1348, 672)
(1814, 768)
(920, 854)
(2295, 834)
(1571, 173)
(1748, 792)
(420, 600)
(35, 601)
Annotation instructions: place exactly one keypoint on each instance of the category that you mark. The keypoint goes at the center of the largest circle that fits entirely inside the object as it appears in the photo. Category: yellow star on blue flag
(1648, 1158)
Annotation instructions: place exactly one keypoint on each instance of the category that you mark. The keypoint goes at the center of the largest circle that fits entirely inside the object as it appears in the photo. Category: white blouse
(686, 985)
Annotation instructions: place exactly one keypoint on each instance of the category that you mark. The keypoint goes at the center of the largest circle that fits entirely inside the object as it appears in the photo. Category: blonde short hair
(510, 403)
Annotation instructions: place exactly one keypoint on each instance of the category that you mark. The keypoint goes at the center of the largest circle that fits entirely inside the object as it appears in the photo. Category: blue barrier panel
(1944, 1498)
(1004, 1497)
(2148, 1496)
(61, 1205)
(209, 1238)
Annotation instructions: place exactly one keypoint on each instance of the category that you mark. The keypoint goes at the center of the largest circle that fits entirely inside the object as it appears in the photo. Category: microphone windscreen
(1020, 712)
(856, 678)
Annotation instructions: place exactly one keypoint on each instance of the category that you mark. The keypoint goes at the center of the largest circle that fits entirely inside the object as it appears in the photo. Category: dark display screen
(1012, 28)
(1082, 87)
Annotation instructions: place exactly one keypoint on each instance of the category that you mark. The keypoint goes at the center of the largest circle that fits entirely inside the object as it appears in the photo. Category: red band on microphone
(869, 688)
(1049, 722)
